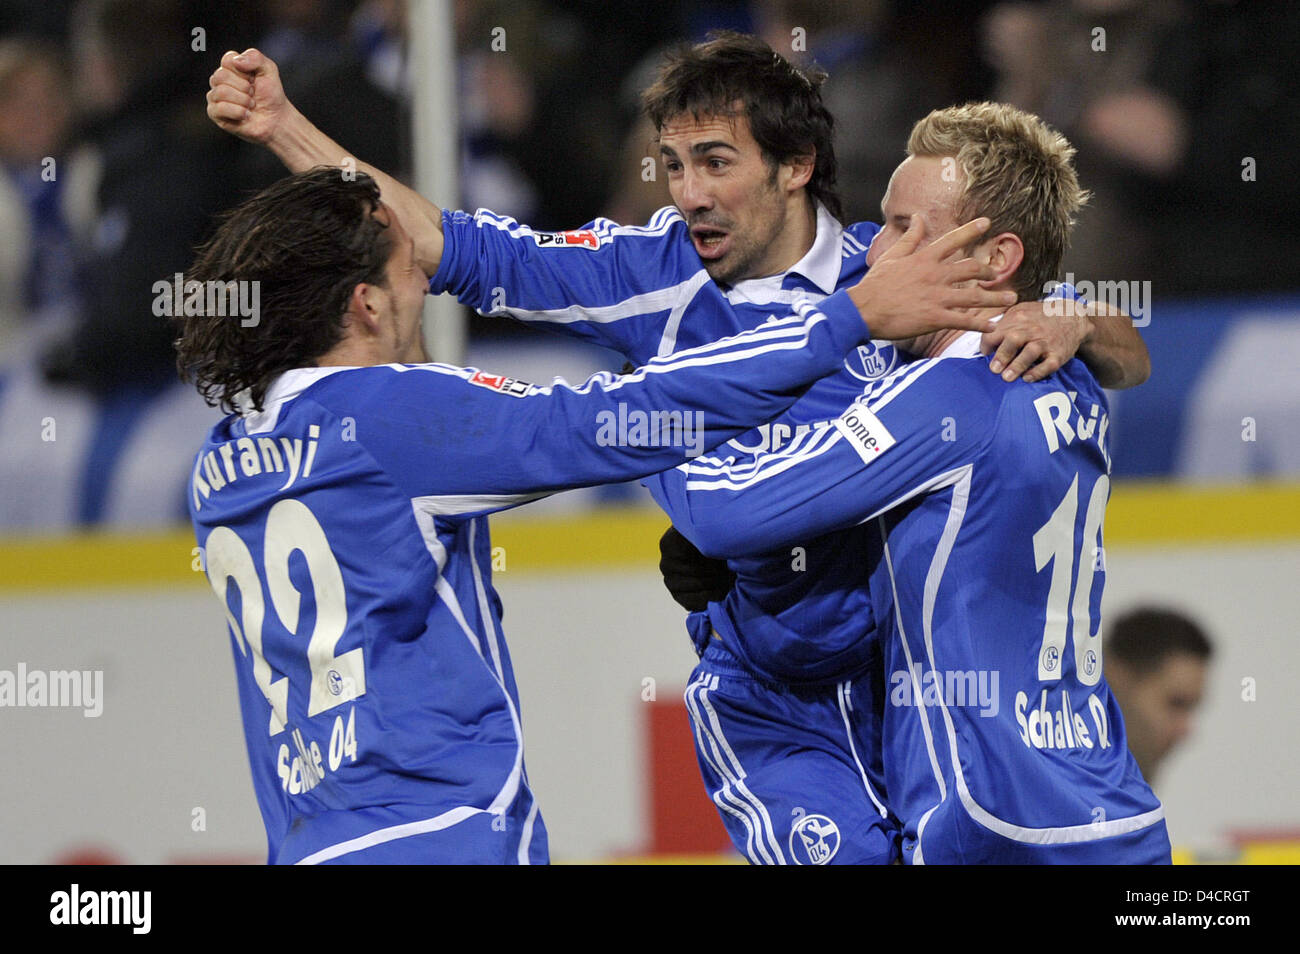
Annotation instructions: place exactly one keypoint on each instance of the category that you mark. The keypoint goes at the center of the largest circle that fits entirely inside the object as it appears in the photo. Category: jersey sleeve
(471, 443)
(609, 284)
(914, 432)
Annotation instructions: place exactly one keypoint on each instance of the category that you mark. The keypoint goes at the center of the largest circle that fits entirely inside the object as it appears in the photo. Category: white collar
(965, 345)
(821, 264)
(284, 388)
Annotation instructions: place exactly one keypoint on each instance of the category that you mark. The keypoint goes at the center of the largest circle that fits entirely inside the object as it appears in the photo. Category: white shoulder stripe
(732, 475)
(667, 298)
(770, 467)
(661, 222)
(718, 463)
(454, 505)
(689, 289)
(852, 246)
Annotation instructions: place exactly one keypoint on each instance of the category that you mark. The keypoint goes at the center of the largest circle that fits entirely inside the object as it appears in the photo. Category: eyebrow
(701, 147)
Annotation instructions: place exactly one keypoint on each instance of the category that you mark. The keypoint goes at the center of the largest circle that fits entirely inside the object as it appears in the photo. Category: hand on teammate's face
(915, 288)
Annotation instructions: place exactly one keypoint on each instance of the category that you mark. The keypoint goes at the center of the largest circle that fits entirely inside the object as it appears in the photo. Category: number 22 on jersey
(290, 526)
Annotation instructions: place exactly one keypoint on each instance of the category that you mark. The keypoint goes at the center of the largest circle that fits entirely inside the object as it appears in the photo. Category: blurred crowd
(1183, 113)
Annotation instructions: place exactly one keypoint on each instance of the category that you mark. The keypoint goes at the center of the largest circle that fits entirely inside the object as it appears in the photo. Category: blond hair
(1019, 173)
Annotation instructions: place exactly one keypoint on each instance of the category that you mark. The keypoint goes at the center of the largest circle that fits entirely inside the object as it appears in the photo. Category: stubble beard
(742, 263)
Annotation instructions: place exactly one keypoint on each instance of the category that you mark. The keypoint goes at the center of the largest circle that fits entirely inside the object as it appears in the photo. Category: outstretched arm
(246, 98)
(918, 432)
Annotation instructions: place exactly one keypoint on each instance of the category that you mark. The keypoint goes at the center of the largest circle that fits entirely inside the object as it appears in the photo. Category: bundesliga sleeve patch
(499, 382)
(577, 238)
(865, 432)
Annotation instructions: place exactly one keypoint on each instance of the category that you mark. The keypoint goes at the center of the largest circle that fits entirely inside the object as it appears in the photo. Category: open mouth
(709, 242)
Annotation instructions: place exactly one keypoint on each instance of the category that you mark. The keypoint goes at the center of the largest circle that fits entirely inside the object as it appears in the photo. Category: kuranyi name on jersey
(255, 457)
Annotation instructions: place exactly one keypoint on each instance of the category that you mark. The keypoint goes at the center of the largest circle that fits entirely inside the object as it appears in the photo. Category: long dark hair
(308, 240)
(782, 102)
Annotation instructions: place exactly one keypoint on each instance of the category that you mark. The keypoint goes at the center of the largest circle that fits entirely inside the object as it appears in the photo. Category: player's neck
(794, 241)
(937, 342)
(357, 353)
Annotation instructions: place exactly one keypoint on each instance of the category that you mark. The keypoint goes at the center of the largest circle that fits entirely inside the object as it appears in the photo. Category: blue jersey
(344, 533)
(643, 291)
(983, 506)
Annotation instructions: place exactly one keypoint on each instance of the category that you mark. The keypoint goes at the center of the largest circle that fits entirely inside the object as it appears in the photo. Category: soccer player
(747, 146)
(341, 511)
(979, 505)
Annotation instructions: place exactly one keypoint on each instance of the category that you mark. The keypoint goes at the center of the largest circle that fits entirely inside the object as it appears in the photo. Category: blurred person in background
(1168, 101)
(1082, 66)
(343, 65)
(163, 177)
(45, 192)
(875, 91)
(1157, 661)
(500, 52)
(540, 115)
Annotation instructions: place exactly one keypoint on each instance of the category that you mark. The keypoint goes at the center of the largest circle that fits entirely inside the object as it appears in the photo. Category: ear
(799, 170)
(365, 306)
(1005, 253)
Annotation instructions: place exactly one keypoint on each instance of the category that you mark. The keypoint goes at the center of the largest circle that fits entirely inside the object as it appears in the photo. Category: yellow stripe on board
(1147, 513)
(91, 560)
(1139, 514)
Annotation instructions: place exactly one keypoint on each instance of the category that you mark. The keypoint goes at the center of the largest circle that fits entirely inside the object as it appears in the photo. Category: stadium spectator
(44, 201)
(1168, 102)
(874, 90)
(1071, 62)
(164, 176)
(1156, 662)
(346, 71)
